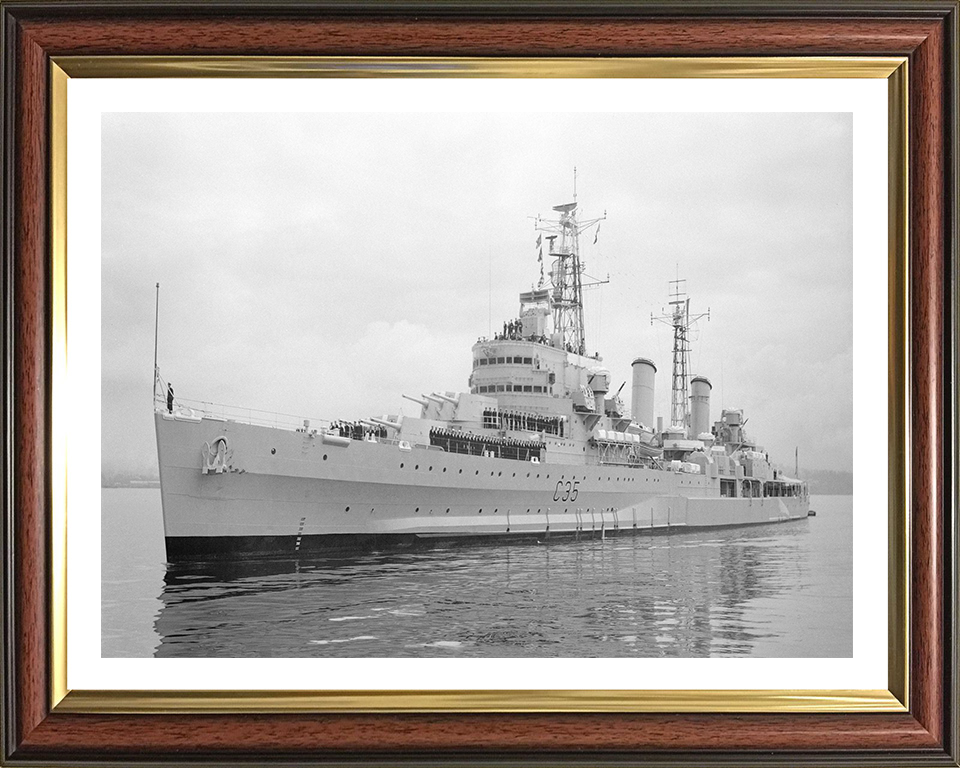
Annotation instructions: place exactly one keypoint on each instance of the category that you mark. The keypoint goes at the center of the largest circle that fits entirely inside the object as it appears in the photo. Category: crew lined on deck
(357, 430)
(494, 418)
(513, 331)
(455, 441)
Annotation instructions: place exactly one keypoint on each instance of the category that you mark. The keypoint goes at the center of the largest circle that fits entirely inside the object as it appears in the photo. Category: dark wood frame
(926, 32)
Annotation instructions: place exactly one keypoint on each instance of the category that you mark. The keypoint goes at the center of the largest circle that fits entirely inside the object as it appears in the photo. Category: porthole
(401, 465)
(324, 457)
(448, 510)
(273, 450)
(416, 466)
(417, 509)
(347, 509)
(480, 512)
(444, 469)
(477, 472)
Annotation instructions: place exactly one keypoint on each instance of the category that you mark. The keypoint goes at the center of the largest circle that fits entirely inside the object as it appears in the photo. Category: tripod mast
(566, 273)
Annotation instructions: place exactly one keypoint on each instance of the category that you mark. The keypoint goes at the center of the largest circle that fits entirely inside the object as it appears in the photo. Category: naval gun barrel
(434, 398)
(385, 423)
(451, 400)
(415, 400)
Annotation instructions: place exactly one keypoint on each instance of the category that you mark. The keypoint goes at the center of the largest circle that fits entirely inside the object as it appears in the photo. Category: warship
(538, 446)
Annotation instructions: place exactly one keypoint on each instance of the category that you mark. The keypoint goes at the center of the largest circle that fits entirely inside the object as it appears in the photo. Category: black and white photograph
(477, 384)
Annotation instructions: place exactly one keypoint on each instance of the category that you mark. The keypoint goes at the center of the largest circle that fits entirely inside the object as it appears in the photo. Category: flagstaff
(156, 336)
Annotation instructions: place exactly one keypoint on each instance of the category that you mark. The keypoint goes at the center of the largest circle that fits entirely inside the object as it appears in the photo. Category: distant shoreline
(130, 484)
(822, 482)
(155, 484)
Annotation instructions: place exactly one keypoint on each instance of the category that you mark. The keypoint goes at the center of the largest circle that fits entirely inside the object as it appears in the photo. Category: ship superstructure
(538, 445)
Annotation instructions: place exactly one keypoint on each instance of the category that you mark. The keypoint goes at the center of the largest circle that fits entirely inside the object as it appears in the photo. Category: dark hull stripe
(201, 548)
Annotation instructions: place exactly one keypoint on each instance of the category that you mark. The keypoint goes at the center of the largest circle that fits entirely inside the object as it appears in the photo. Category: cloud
(326, 264)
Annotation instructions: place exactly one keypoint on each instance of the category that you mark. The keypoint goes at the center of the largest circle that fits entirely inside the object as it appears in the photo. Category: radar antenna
(566, 273)
(680, 319)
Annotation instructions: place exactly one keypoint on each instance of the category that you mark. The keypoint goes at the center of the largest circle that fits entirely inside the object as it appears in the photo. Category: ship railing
(396, 441)
(638, 462)
(242, 415)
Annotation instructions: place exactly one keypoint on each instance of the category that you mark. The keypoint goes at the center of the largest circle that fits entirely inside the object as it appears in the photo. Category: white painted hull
(290, 492)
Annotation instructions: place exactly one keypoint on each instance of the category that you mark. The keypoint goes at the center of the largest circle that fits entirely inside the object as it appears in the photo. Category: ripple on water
(451, 644)
(343, 640)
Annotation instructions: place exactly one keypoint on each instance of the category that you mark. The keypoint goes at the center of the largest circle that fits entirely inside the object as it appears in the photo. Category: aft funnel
(700, 387)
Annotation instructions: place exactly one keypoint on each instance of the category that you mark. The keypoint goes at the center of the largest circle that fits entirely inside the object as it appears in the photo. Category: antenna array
(680, 319)
(566, 272)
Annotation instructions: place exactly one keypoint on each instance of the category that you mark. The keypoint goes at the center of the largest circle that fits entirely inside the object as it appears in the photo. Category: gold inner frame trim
(415, 66)
(58, 364)
(898, 415)
(130, 702)
(893, 69)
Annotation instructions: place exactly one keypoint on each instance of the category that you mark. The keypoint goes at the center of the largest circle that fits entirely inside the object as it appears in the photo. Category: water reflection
(682, 594)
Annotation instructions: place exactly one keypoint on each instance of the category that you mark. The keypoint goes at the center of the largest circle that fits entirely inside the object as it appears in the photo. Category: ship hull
(284, 492)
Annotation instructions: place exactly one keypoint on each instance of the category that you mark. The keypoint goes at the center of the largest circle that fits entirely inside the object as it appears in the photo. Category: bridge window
(482, 361)
(501, 360)
(528, 361)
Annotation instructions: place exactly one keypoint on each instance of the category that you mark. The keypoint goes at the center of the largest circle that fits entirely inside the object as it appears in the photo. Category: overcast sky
(324, 264)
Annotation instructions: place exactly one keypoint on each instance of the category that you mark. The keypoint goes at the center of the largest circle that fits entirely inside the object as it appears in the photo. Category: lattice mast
(680, 319)
(566, 271)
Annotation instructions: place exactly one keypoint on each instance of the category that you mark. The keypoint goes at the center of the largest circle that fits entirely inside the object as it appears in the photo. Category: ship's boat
(538, 446)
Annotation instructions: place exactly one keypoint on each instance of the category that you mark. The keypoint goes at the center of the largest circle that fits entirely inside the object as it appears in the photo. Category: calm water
(779, 590)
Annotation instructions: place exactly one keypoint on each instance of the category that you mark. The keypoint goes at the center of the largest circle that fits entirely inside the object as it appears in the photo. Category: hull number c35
(567, 491)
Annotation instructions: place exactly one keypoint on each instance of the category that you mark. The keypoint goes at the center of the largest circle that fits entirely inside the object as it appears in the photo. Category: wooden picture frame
(42, 726)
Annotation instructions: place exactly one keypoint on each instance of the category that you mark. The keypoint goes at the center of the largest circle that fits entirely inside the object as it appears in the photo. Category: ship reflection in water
(730, 592)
